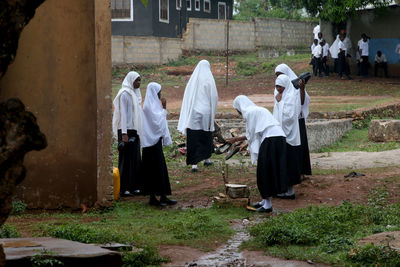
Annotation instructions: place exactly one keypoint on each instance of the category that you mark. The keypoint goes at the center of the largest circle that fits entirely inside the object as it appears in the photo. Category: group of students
(320, 56)
(278, 141)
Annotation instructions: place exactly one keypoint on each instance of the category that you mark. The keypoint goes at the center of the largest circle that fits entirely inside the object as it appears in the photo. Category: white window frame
(195, 2)
(221, 4)
(189, 8)
(127, 19)
(159, 12)
(204, 5)
(178, 7)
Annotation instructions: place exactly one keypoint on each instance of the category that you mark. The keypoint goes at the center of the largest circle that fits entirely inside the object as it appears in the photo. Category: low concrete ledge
(384, 130)
(320, 133)
(19, 252)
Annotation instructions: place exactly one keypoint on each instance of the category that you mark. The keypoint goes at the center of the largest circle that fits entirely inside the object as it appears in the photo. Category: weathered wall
(145, 50)
(320, 133)
(210, 35)
(62, 74)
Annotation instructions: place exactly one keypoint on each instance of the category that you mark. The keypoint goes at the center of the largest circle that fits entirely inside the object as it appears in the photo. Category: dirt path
(355, 159)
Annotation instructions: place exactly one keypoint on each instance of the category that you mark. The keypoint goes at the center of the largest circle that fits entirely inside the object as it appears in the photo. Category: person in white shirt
(364, 53)
(343, 65)
(127, 126)
(196, 119)
(334, 52)
(325, 57)
(267, 144)
(317, 58)
(380, 61)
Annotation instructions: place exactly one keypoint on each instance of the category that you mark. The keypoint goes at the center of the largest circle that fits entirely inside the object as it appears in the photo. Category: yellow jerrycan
(116, 183)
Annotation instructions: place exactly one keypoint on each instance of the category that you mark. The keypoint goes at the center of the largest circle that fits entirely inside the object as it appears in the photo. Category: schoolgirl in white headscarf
(127, 126)
(305, 163)
(286, 111)
(197, 115)
(267, 145)
(155, 135)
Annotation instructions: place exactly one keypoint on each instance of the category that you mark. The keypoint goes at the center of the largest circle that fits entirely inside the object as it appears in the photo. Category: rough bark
(19, 134)
(14, 16)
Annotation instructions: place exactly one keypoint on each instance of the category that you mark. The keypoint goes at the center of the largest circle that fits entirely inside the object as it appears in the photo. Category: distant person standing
(343, 65)
(380, 61)
(334, 51)
(364, 52)
(317, 58)
(127, 126)
(197, 115)
(325, 57)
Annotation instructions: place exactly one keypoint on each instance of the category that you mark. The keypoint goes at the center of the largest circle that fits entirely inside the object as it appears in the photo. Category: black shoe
(286, 196)
(195, 170)
(156, 203)
(255, 205)
(168, 201)
(208, 163)
(262, 209)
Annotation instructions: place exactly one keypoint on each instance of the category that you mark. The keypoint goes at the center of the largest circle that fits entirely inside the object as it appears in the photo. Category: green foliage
(145, 257)
(45, 258)
(327, 234)
(357, 140)
(338, 11)
(85, 233)
(184, 61)
(196, 223)
(371, 255)
(8, 231)
(18, 207)
(246, 69)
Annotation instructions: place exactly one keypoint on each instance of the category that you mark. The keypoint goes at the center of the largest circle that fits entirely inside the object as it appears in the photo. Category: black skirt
(305, 163)
(271, 167)
(199, 145)
(293, 164)
(129, 163)
(155, 172)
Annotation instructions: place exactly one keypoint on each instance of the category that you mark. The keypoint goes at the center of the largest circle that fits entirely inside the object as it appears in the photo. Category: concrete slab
(20, 250)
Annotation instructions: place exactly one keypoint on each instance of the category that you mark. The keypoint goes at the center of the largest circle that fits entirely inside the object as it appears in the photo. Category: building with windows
(164, 18)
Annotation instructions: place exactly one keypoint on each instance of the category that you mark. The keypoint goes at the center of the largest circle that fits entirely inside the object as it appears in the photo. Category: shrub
(18, 207)
(371, 255)
(8, 231)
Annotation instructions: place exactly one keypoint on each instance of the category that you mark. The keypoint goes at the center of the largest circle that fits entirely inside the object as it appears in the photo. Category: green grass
(327, 234)
(357, 140)
(136, 223)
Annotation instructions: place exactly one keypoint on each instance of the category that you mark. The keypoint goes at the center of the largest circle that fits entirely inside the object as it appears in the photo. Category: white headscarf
(316, 30)
(127, 86)
(285, 69)
(257, 119)
(286, 112)
(155, 123)
(334, 49)
(200, 100)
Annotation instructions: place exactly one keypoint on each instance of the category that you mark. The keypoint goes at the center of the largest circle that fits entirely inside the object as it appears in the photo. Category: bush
(145, 257)
(371, 255)
(18, 207)
(8, 231)
(246, 68)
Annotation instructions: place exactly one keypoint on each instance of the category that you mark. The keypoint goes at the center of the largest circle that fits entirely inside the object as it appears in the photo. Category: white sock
(208, 161)
(267, 203)
(262, 202)
(194, 166)
(290, 190)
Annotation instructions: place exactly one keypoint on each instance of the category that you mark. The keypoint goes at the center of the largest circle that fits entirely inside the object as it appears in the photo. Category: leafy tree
(339, 10)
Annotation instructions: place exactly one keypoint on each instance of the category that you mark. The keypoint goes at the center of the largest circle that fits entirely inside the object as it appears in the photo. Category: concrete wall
(145, 50)
(210, 35)
(320, 133)
(65, 80)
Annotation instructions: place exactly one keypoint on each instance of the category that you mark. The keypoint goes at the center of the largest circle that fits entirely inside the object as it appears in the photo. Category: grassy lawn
(134, 223)
(357, 140)
(330, 234)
